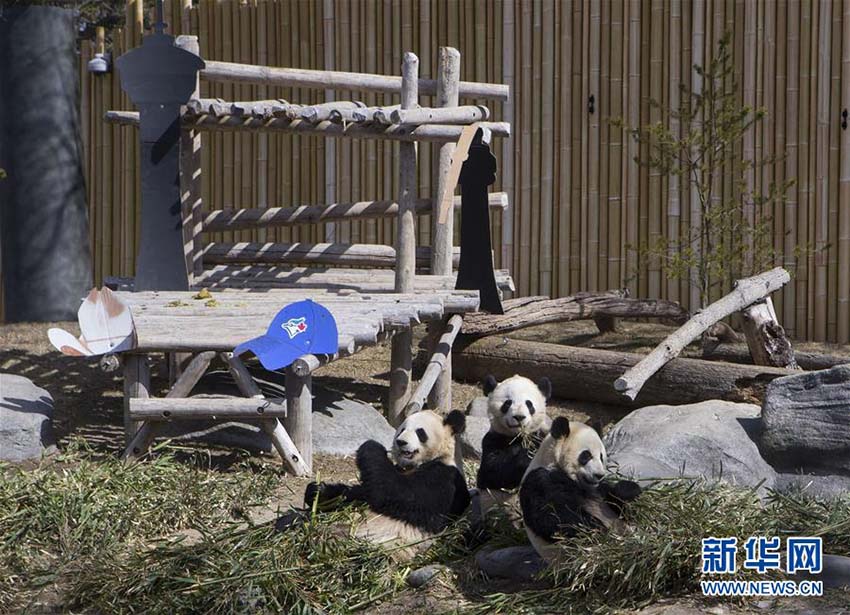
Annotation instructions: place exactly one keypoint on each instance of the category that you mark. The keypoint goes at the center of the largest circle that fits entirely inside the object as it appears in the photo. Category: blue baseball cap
(299, 328)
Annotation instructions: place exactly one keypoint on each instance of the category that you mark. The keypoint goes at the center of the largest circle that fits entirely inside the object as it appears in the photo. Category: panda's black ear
(560, 428)
(545, 386)
(456, 421)
(489, 384)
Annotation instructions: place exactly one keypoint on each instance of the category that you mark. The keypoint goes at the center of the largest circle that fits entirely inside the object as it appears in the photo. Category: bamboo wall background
(577, 199)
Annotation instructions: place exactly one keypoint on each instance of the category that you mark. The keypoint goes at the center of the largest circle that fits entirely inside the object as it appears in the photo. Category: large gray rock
(478, 407)
(823, 486)
(711, 439)
(26, 413)
(470, 439)
(518, 563)
(806, 421)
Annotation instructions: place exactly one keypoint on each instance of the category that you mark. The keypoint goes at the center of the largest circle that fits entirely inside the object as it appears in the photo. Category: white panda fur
(562, 487)
(424, 465)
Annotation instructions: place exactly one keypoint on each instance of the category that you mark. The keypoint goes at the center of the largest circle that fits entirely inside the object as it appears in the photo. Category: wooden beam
(218, 408)
(433, 133)
(441, 115)
(363, 82)
(137, 384)
(239, 219)
(440, 358)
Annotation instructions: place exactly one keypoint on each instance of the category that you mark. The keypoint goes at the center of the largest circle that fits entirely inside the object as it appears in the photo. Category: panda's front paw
(371, 452)
(626, 490)
(312, 493)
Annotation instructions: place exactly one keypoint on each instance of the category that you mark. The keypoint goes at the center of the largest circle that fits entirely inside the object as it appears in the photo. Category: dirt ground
(88, 403)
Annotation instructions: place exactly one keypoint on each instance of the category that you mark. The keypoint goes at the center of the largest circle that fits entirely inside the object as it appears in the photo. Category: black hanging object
(844, 119)
(160, 77)
(476, 252)
(591, 104)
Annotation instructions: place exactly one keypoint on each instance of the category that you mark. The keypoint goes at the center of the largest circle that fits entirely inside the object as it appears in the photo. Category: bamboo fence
(579, 203)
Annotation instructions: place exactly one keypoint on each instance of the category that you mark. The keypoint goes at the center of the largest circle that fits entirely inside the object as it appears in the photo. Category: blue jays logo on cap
(299, 328)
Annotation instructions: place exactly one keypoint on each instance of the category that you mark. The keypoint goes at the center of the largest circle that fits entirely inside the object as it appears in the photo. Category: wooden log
(140, 442)
(239, 219)
(429, 133)
(361, 254)
(810, 361)
(585, 374)
(747, 291)
(440, 358)
(137, 384)
(581, 306)
(401, 351)
(289, 453)
(322, 111)
(766, 338)
(366, 115)
(441, 115)
(296, 77)
(299, 419)
(190, 408)
(405, 264)
(190, 376)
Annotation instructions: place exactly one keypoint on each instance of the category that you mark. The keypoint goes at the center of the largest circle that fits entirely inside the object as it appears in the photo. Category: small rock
(26, 414)
(478, 407)
(521, 563)
(806, 421)
(470, 439)
(422, 576)
(711, 439)
(765, 604)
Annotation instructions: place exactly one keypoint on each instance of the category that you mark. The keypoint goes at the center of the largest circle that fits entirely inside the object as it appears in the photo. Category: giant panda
(563, 488)
(516, 408)
(411, 498)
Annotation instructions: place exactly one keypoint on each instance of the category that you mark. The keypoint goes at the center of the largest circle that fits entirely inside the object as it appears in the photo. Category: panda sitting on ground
(411, 500)
(563, 488)
(518, 424)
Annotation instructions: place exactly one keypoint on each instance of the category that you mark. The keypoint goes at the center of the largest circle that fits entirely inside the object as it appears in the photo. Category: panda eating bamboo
(411, 498)
(563, 488)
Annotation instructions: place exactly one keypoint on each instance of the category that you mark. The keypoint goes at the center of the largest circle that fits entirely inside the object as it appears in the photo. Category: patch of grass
(312, 568)
(660, 555)
(80, 506)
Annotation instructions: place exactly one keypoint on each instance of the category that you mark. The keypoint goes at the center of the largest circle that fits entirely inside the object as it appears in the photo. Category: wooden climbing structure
(375, 292)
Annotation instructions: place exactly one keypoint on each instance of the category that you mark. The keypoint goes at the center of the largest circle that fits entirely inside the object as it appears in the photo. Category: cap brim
(272, 353)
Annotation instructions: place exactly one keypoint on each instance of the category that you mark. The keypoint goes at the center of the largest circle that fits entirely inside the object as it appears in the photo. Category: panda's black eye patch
(530, 406)
(422, 435)
(585, 457)
(506, 406)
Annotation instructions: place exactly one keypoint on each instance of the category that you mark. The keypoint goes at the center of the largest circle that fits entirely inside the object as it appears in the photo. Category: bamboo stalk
(822, 191)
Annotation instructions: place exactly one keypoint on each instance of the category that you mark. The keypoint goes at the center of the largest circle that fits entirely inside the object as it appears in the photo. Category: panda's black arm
(617, 493)
(503, 462)
(551, 503)
(332, 495)
(426, 497)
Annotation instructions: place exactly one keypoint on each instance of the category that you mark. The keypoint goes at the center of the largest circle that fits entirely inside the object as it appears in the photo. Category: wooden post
(401, 359)
(448, 76)
(440, 357)
(190, 181)
(299, 413)
(137, 383)
(766, 338)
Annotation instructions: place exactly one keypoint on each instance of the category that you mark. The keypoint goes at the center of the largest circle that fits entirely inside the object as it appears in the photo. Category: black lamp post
(159, 77)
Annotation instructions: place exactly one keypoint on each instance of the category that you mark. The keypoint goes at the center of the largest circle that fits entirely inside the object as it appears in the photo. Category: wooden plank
(190, 376)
